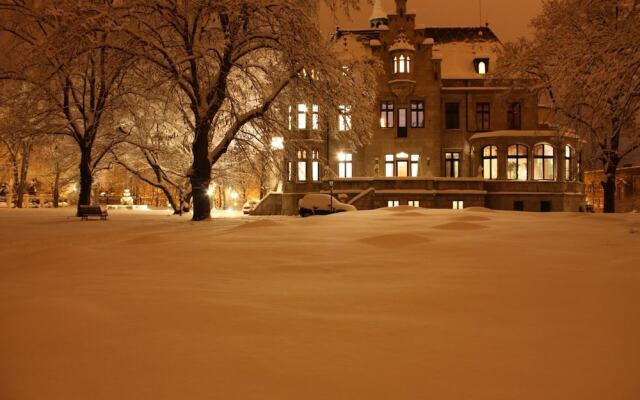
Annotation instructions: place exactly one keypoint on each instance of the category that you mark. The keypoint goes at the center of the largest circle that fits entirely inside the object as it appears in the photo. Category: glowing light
(277, 143)
(482, 68)
(210, 192)
(342, 156)
(234, 195)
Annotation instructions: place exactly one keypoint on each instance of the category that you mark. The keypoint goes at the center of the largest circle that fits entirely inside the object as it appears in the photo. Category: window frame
(302, 166)
(403, 123)
(514, 116)
(387, 114)
(544, 158)
(452, 164)
(345, 165)
(417, 113)
(518, 157)
(483, 116)
(302, 111)
(493, 162)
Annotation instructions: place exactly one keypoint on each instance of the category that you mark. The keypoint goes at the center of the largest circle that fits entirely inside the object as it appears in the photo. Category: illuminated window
(315, 117)
(389, 168)
(490, 162)
(482, 65)
(386, 114)
(290, 118)
(452, 165)
(302, 165)
(315, 166)
(483, 116)
(414, 203)
(417, 114)
(393, 203)
(543, 162)
(302, 116)
(344, 118)
(415, 165)
(458, 205)
(568, 163)
(345, 165)
(402, 64)
(402, 68)
(518, 162)
(289, 171)
(514, 116)
(395, 65)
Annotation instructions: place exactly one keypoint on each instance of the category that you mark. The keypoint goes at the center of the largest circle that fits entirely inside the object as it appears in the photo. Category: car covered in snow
(321, 204)
(249, 206)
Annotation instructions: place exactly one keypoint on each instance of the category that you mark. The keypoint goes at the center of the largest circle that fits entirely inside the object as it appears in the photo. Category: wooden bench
(85, 212)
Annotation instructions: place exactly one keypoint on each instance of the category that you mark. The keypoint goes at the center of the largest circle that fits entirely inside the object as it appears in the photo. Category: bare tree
(230, 62)
(585, 58)
(65, 59)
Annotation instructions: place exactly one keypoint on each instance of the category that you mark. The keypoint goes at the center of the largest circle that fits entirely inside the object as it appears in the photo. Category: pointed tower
(401, 7)
(378, 16)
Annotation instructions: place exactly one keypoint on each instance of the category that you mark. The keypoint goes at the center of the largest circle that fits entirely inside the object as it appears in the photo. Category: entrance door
(402, 167)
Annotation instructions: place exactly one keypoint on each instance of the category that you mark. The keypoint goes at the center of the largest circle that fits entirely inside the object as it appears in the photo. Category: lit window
(302, 166)
(393, 203)
(452, 165)
(402, 69)
(482, 65)
(289, 171)
(315, 117)
(490, 162)
(417, 114)
(408, 65)
(389, 165)
(302, 116)
(395, 65)
(543, 167)
(315, 166)
(277, 143)
(290, 118)
(415, 165)
(458, 205)
(517, 162)
(345, 165)
(414, 203)
(402, 165)
(344, 118)
(386, 114)
(568, 163)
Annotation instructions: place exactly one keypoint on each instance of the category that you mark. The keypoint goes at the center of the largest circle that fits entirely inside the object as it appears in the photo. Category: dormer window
(481, 65)
(402, 64)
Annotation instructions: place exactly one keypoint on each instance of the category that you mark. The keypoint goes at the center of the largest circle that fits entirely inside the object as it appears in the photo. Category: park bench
(92, 211)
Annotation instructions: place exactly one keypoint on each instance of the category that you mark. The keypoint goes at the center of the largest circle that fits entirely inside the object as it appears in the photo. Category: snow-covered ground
(388, 304)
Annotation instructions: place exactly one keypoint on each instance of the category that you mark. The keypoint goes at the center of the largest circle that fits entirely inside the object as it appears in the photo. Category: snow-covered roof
(458, 57)
(378, 11)
(536, 133)
(401, 43)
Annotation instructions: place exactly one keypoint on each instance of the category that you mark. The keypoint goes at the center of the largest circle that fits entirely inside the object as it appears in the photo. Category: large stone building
(444, 134)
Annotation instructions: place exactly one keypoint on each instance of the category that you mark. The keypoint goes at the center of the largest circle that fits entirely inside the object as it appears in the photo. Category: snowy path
(386, 304)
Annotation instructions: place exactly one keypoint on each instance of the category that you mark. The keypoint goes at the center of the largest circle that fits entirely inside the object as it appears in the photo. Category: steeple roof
(378, 12)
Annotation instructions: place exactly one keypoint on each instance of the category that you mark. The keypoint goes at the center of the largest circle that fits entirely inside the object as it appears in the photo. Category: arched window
(402, 68)
(395, 64)
(543, 167)
(302, 165)
(568, 163)
(490, 162)
(517, 162)
(315, 166)
(408, 65)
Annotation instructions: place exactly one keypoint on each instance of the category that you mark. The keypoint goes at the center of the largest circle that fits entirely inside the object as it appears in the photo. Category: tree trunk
(201, 174)
(86, 179)
(22, 180)
(56, 189)
(609, 187)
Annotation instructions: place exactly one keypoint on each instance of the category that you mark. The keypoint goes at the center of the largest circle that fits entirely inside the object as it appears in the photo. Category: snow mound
(410, 214)
(460, 226)
(478, 209)
(472, 218)
(265, 223)
(399, 209)
(395, 240)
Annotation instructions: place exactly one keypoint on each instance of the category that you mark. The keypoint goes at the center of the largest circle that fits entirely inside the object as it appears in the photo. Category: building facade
(444, 134)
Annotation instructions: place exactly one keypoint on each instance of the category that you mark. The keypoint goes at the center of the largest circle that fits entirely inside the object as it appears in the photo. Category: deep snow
(387, 304)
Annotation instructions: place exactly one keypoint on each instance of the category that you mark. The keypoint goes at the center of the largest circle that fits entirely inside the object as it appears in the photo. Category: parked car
(249, 206)
(321, 204)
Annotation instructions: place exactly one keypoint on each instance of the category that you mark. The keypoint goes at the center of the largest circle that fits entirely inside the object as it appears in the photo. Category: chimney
(401, 7)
